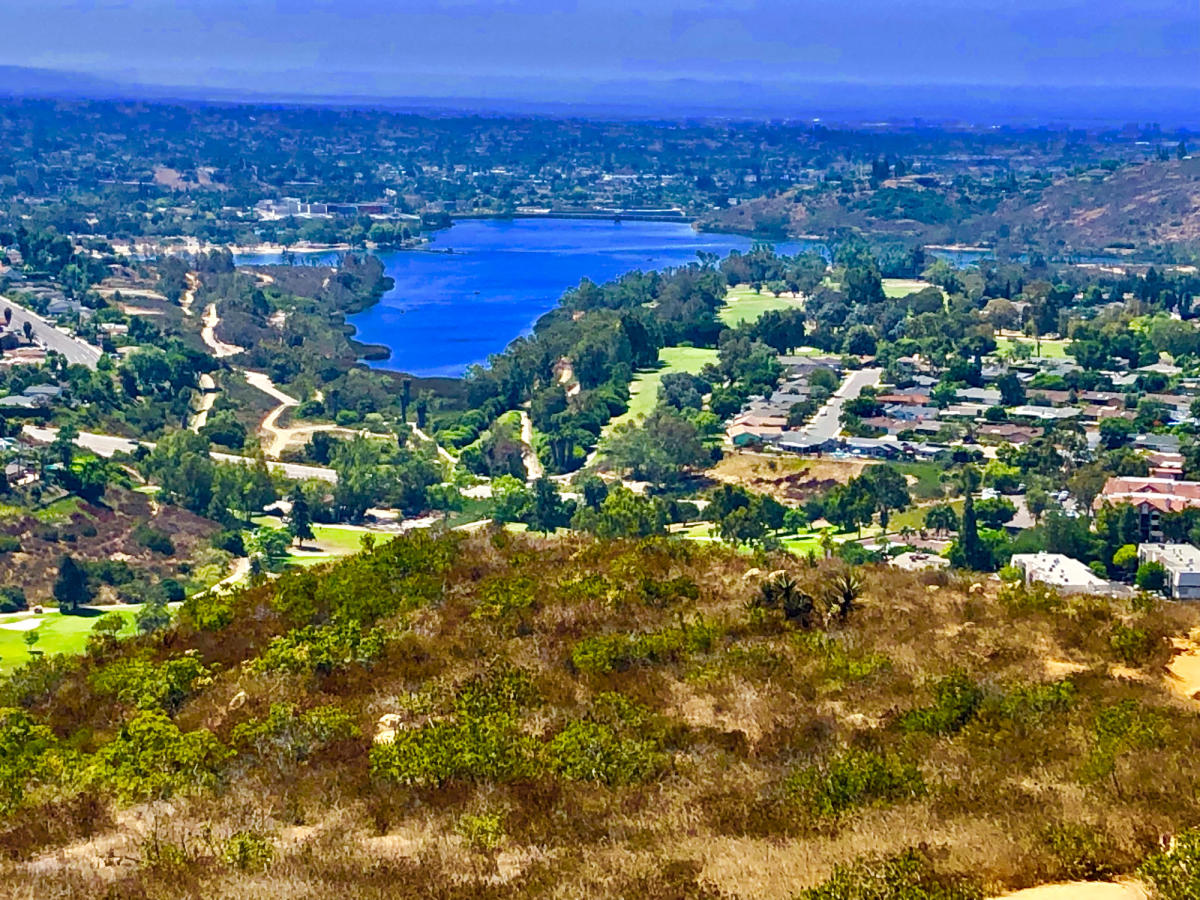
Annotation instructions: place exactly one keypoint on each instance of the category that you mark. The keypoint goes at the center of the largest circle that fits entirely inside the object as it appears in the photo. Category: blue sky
(370, 46)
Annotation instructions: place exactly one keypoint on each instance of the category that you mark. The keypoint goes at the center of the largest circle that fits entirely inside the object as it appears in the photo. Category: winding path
(533, 465)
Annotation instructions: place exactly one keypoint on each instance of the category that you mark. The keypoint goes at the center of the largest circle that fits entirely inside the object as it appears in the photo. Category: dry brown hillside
(505, 716)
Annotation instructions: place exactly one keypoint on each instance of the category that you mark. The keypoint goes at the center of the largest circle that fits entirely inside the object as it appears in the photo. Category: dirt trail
(1183, 672)
(208, 333)
(277, 438)
(208, 396)
(189, 295)
(1082, 890)
(442, 451)
(533, 465)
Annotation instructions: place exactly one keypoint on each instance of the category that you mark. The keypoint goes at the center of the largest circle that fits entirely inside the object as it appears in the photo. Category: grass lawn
(1049, 349)
(915, 517)
(743, 305)
(56, 633)
(902, 287)
(643, 391)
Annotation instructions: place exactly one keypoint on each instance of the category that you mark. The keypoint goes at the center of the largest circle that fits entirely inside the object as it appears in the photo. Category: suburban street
(826, 424)
(75, 350)
(106, 445)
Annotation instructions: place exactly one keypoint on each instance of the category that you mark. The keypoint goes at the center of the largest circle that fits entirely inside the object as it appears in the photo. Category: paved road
(75, 350)
(107, 445)
(827, 423)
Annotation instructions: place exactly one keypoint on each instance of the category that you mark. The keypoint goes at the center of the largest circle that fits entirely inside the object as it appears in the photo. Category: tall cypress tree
(975, 555)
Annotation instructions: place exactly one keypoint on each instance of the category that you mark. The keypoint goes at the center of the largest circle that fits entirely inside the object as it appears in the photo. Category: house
(914, 561)
(1060, 572)
(802, 442)
(986, 396)
(1182, 564)
(18, 401)
(1046, 413)
(43, 392)
(876, 448)
(1150, 498)
(1010, 432)
(1159, 443)
(963, 411)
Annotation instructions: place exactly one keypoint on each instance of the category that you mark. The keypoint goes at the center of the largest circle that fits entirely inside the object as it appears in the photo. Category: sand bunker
(21, 624)
(1081, 890)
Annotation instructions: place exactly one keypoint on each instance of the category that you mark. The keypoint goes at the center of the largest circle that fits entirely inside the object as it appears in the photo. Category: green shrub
(9, 544)
(153, 539)
(500, 597)
(1082, 853)
(147, 685)
(288, 735)
(1132, 645)
(151, 758)
(483, 832)
(605, 653)
(480, 741)
(596, 751)
(853, 778)
(956, 699)
(908, 876)
(838, 664)
(1175, 872)
(322, 649)
(248, 851)
(23, 744)
(207, 611)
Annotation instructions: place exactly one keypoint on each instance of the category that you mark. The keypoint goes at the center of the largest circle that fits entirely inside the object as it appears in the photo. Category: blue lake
(450, 310)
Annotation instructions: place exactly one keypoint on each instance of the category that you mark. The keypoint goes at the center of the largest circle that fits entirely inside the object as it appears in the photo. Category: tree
(300, 521)
(1116, 433)
(153, 616)
(974, 553)
(1126, 559)
(269, 546)
(1151, 576)
(941, 519)
(994, 512)
(660, 450)
(1037, 501)
(622, 514)
(71, 588)
(511, 499)
(889, 489)
(547, 511)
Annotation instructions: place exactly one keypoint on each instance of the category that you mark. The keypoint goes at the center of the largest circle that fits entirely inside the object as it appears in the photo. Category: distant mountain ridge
(1172, 107)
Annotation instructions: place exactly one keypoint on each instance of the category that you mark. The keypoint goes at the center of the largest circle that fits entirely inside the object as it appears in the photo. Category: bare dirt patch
(787, 479)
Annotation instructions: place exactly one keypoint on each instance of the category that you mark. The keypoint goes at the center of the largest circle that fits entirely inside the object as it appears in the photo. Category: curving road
(108, 444)
(76, 351)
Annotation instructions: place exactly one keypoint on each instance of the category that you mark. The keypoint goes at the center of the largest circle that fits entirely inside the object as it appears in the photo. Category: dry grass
(764, 700)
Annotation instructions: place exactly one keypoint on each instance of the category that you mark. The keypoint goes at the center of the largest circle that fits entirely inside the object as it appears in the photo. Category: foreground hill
(503, 716)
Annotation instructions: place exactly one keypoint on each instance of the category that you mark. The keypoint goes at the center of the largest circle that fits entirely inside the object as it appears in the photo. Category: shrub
(605, 653)
(152, 759)
(9, 544)
(207, 611)
(908, 876)
(853, 778)
(1132, 645)
(483, 832)
(153, 539)
(322, 649)
(148, 685)
(956, 699)
(1079, 850)
(248, 851)
(23, 744)
(288, 735)
(838, 664)
(596, 751)
(1175, 872)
